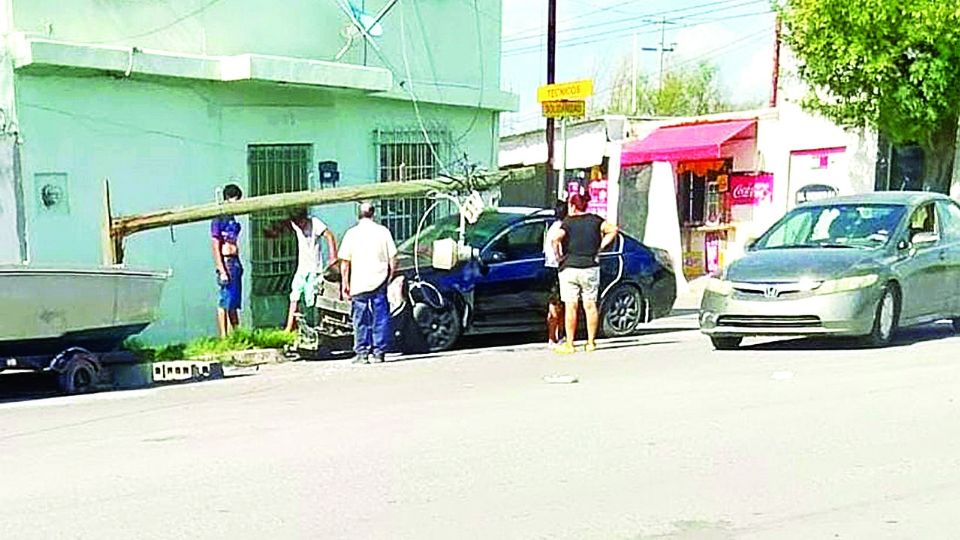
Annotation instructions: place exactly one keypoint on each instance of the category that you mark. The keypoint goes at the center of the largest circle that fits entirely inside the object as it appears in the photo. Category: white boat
(48, 309)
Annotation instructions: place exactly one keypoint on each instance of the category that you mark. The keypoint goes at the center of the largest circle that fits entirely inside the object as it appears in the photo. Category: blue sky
(595, 36)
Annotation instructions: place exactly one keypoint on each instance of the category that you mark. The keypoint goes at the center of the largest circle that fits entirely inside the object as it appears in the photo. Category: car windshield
(834, 226)
(477, 234)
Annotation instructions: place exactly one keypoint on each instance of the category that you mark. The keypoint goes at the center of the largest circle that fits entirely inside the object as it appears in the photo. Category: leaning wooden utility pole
(121, 227)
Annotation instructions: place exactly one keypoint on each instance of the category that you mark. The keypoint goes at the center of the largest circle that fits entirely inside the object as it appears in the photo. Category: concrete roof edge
(29, 51)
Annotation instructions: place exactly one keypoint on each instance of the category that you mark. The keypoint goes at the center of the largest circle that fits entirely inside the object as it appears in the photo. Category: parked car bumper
(842, 314)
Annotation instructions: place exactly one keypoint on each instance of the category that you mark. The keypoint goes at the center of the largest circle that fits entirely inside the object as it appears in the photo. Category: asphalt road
(660, 438)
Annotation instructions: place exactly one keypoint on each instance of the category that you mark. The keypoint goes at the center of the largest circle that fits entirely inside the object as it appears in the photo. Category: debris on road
(561, 379)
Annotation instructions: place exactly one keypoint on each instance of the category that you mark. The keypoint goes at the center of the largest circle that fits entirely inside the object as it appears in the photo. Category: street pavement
(661, 437)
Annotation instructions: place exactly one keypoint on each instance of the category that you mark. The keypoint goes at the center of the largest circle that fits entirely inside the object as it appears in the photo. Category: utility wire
(678, 13)
(159, 29)
(607, 36)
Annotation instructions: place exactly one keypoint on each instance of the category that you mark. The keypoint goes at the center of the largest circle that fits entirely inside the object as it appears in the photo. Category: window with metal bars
(275, 168)
(405, 155)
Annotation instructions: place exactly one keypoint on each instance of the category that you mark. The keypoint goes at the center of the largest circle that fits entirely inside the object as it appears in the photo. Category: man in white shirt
(367, 265)
(308, 230)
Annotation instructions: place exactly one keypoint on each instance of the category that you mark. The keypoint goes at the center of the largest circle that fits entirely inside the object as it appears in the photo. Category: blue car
(504, 287)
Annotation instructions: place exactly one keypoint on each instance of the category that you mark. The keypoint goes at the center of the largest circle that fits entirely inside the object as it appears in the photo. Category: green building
(171, 100)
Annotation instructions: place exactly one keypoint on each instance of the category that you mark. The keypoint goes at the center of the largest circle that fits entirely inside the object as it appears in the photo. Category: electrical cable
(476, 112)
(413, 96)
(607, 36)
(631, 22)
(159, 29)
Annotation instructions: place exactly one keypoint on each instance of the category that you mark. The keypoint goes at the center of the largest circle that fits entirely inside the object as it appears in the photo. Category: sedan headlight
(719, 286)
(846, 284)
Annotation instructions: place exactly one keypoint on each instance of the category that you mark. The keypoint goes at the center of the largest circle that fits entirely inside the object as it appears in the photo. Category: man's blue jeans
(371, 322)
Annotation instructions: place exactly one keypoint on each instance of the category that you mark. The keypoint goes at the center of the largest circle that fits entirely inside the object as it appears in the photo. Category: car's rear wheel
(956, 325)
(623, 311)
(886, 318)
(726, 343)
(440, 326)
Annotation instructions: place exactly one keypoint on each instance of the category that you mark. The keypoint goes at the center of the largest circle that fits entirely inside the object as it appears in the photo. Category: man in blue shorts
(225, 234)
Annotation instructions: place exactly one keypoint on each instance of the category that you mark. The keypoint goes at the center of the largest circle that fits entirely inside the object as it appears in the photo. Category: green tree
(890, 65)
(687, 90)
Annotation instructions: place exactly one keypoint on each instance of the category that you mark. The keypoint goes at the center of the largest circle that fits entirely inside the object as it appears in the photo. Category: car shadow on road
(904, 338)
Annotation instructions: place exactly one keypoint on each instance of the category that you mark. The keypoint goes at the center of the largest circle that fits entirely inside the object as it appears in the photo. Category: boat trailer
(77, 370)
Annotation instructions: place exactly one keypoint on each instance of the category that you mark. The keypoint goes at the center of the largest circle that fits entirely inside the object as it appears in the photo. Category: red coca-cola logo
(743, 191)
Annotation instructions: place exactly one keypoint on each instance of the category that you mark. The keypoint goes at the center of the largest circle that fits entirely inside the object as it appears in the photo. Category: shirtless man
(225, 234)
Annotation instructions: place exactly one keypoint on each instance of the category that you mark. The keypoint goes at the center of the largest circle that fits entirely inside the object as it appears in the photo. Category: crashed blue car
(502, 287)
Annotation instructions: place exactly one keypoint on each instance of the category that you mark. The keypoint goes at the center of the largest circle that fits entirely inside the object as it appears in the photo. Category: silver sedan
(864, 265)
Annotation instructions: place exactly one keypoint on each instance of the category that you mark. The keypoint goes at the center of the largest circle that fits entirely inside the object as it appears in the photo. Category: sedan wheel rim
(624, 314)
(439, 329)
(886, 315)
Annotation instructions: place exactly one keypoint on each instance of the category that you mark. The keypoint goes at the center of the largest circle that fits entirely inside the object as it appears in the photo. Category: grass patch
(241, 340)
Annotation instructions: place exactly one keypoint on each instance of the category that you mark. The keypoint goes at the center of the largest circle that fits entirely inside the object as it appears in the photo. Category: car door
(513, 285)
(611, 266)
(950, 226)
(922, 267)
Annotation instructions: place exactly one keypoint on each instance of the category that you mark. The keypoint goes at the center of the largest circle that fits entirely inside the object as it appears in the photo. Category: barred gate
(404, 155)
(274, 168)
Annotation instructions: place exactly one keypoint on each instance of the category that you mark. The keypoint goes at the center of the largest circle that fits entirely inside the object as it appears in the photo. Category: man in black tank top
(578, 245)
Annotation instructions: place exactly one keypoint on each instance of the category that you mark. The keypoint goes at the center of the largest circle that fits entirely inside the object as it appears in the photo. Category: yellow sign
(564, 109)
(576, 90)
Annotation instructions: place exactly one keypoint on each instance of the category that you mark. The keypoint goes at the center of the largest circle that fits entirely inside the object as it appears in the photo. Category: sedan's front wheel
(886, 319)
(440, 326)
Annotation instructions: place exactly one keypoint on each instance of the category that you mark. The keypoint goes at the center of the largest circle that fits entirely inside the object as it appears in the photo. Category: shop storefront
(717, 187)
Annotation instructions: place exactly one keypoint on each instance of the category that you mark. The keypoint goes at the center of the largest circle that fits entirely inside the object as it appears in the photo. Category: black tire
(78, 377)
(886, 318)
(440, 327)
(726, 343)
(956, 325)
(622, 312)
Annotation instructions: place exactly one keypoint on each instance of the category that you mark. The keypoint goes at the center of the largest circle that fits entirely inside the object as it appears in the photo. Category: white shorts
(304, 284)
(577, 283)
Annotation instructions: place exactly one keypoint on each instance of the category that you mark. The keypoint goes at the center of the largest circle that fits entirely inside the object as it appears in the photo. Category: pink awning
(687, 142)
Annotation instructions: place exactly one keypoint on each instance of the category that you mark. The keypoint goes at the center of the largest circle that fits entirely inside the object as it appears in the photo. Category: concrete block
(184, 370)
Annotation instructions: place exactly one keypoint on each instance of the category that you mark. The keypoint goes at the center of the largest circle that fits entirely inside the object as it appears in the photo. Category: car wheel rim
(439, 329)
(886, 315)
(624, 312)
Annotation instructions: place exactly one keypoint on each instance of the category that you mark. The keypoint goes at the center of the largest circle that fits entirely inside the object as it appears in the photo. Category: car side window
(950, 212)
(522, 242)
(924, 221)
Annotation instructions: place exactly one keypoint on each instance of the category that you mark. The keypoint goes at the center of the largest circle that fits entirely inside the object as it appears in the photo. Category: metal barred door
(274, 168)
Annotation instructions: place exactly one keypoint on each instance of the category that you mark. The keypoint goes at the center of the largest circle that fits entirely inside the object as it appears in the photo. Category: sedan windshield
(477, 234)
(834, 226)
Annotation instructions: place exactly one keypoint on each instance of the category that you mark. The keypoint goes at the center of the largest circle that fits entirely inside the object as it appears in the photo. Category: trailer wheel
(79, 375)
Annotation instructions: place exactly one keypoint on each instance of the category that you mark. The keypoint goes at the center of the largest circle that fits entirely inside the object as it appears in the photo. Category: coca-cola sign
(751, 190)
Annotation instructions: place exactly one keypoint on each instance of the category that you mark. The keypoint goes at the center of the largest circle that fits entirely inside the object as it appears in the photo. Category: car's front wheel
(440, 326)
(623, 311)
(726, 343)
(886, 319)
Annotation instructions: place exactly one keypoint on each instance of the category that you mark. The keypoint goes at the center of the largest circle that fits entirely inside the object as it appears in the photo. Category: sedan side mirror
(492, 257)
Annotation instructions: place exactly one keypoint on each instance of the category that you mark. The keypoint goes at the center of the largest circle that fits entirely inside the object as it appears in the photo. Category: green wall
(441, 35)
(164, 143)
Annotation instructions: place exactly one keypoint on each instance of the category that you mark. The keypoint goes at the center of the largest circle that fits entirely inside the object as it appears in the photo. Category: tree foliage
(686, 91)
(891, 65)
